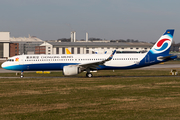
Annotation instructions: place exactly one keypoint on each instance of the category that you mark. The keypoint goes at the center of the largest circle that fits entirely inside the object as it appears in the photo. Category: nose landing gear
(22, 74)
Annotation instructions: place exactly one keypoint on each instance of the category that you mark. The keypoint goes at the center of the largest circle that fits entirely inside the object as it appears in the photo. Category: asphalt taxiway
(159, 66)
(158, 76)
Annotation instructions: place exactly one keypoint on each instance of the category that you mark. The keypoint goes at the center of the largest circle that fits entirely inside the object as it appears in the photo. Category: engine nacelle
(71, 70)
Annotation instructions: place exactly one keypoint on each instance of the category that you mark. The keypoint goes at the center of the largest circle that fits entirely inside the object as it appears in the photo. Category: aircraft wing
(94, 65)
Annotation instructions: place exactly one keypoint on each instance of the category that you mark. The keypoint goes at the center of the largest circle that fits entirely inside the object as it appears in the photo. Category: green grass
(67, 98)
(141, 98)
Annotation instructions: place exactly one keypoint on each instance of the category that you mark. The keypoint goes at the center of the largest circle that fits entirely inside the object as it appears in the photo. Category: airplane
(97, 51)
(73, 64)
(67, 51)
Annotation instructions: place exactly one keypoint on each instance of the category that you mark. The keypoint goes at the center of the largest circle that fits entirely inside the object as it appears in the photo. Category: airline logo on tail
(164, 43)
(67, 51)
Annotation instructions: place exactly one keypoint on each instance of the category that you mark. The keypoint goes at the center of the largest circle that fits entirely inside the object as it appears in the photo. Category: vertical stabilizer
(67, 51)
(163, 45)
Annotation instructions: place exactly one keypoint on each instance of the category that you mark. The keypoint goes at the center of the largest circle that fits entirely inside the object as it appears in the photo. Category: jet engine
(71, 70)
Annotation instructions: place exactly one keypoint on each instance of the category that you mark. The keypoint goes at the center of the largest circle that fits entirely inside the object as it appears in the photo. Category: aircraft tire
(21, 76)
(89, 75)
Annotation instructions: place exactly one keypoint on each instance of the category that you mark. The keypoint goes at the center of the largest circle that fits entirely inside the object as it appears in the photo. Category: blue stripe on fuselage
(41, 66)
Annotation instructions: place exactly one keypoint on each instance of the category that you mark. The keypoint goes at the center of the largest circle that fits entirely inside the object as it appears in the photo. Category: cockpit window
(10, 60)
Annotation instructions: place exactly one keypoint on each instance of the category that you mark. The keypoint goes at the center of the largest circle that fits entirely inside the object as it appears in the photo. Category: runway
(162, 66)
(159, 66)
(92, 77)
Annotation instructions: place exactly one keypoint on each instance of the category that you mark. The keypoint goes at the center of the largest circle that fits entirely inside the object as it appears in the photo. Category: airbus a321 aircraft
(73, 64)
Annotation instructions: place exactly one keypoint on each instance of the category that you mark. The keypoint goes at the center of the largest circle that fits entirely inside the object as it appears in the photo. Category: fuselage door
(21, 60)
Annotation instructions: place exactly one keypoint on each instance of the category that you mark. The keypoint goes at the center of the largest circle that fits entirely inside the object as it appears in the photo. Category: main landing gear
(22, 74)
(89, 75)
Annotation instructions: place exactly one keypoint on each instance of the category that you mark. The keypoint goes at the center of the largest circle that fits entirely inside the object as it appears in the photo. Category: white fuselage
(56, 62)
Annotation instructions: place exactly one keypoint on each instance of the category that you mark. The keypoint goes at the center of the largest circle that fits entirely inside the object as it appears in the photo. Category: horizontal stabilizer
(166, 57)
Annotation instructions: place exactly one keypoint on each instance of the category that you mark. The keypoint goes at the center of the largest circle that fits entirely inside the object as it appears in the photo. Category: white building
(92, 47)
(4, 44)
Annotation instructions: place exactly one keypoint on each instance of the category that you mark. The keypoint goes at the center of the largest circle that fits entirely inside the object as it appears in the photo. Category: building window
(63, 50)
(72, 50)
(78, 50)
(1, 50)
(57, 50)
(49, 47)
(49, 50)
(87, 50)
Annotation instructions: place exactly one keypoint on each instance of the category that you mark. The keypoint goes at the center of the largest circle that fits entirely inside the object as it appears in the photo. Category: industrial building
(10, 46)
(4, 44)
(14, 49)
(7, 48)
(27, 45)
(89, 47)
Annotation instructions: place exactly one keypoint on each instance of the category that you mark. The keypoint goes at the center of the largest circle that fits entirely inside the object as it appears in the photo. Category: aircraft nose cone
(3, 65)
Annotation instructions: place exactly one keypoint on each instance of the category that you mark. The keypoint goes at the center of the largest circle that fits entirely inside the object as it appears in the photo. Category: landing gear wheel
(89, 75)
(22, 74)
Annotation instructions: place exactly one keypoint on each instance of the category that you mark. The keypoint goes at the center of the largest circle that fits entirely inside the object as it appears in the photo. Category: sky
(143, 20)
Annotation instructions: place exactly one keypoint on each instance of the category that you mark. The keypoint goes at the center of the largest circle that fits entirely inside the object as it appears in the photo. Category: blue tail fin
(160, 51)
(163, 45)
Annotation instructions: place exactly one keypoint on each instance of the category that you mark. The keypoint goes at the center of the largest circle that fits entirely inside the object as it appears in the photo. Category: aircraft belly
(40, 66)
